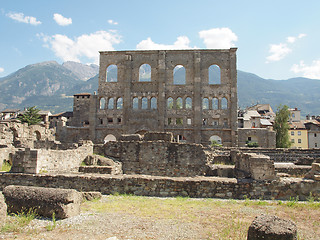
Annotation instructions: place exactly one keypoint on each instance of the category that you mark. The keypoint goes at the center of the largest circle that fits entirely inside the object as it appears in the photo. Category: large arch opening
(145, 73)
(215, 139)
(179, 75)
(37, 134)
(214, 74)
(112, 73)
(110, 138)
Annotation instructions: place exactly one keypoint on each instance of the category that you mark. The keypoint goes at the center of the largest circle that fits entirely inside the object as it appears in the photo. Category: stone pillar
(233, 101)
(161, 99)
(197, 124)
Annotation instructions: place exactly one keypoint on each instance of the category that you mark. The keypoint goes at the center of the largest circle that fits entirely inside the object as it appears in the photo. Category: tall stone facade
(140, 92)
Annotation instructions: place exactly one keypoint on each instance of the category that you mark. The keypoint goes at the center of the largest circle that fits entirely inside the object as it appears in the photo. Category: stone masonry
(194, 110)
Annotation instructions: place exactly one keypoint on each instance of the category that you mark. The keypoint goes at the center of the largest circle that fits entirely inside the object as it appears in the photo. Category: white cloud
(25, 19)
(218, 38)
(278, 52)
(86, 45)
(112, 22)
(181, 43)
(1, 69)
(311, 71)
(61, 20)
(281, 50)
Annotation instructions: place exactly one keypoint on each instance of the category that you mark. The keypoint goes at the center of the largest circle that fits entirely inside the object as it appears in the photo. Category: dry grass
(132, 217)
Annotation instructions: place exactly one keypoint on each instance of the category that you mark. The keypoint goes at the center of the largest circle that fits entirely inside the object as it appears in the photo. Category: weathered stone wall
(203, 187)
(251, 165)
(157, 157)
(47, 160)
(266, 138)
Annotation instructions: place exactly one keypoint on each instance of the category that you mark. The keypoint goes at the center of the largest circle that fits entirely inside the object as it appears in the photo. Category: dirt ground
(131, 217)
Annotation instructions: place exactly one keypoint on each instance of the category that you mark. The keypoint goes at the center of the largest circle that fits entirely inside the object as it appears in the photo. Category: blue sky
(275, 39)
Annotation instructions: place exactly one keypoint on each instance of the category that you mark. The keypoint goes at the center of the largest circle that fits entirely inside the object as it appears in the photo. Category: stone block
(130, 137)
(3, 211)
(268, 227)
(89, 196)
(158, 136)
(45, 201)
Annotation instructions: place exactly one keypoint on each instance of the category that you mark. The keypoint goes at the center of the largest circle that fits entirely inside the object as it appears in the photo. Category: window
(119, 120)
(189, 121)
(299, 140)
(144, 103)
(292, 140)
(315, 135)
(215, 122)
(292, 133)
(204, 121)
(205, 104)
(170, 103)
(188, 103)
(179, 121)
(315, 144)
(299, 133)
(119, 103)
(179, 75)
(112, 73)
(153, 104)
(110, 103)
(224, 103)
(110, 120)
(214, 74)
(179, 103)
(169, 121)
(215, 103)
(135, 103)
(101, 121)
(249, 139)
(145, 73)
(102, 103)
(293, 115)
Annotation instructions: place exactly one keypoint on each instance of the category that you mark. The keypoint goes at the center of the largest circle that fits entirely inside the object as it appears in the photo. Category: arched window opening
(170, 103)
(144, 103)
(110, 103)
(215, 139)
(214, 74)
(119, 103)
(179, 103)
(110, 138)
(135, 103)
(215, 104)
(153, 104)
(145, 73)
(112, 73)
(205, 104)
(37, 135)
(179, 75)
(102, 103)
(224, 103)
(188, 103)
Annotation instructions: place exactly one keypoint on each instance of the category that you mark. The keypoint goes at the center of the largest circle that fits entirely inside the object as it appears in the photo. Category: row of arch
(179, 74)
(207, 103)
(151, 103)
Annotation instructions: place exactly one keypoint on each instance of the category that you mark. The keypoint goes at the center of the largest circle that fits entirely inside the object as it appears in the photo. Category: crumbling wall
(266, 138)
(251, 165)
(158, 157)
(46, 160)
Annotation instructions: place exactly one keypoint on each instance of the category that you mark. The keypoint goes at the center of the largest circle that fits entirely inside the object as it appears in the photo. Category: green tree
(281, 127)
(31, 116)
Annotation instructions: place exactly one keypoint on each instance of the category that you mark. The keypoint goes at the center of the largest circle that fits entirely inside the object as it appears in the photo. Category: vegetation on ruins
(31, 116)
(281, 127)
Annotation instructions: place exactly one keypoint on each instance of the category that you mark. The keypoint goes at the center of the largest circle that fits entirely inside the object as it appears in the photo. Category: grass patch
(17, 221)
(6, 167)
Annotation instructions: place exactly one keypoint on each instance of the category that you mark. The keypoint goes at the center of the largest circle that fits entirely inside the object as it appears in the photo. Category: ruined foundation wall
(202, 187)
(47, 160)
(157, 157)
(266, 138)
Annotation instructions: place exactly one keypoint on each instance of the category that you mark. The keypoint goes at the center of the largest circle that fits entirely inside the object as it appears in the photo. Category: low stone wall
(201, 187)
(292, 169)
(158, 158)
(47, 160)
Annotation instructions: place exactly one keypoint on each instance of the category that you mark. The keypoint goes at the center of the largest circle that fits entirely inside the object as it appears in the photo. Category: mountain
(83, 72)
(51, 86)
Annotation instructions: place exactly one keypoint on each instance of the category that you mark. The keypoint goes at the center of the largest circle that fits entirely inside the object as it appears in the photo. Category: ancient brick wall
(157, 157)
(47, 160)
(266, 138)
(201, 187)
